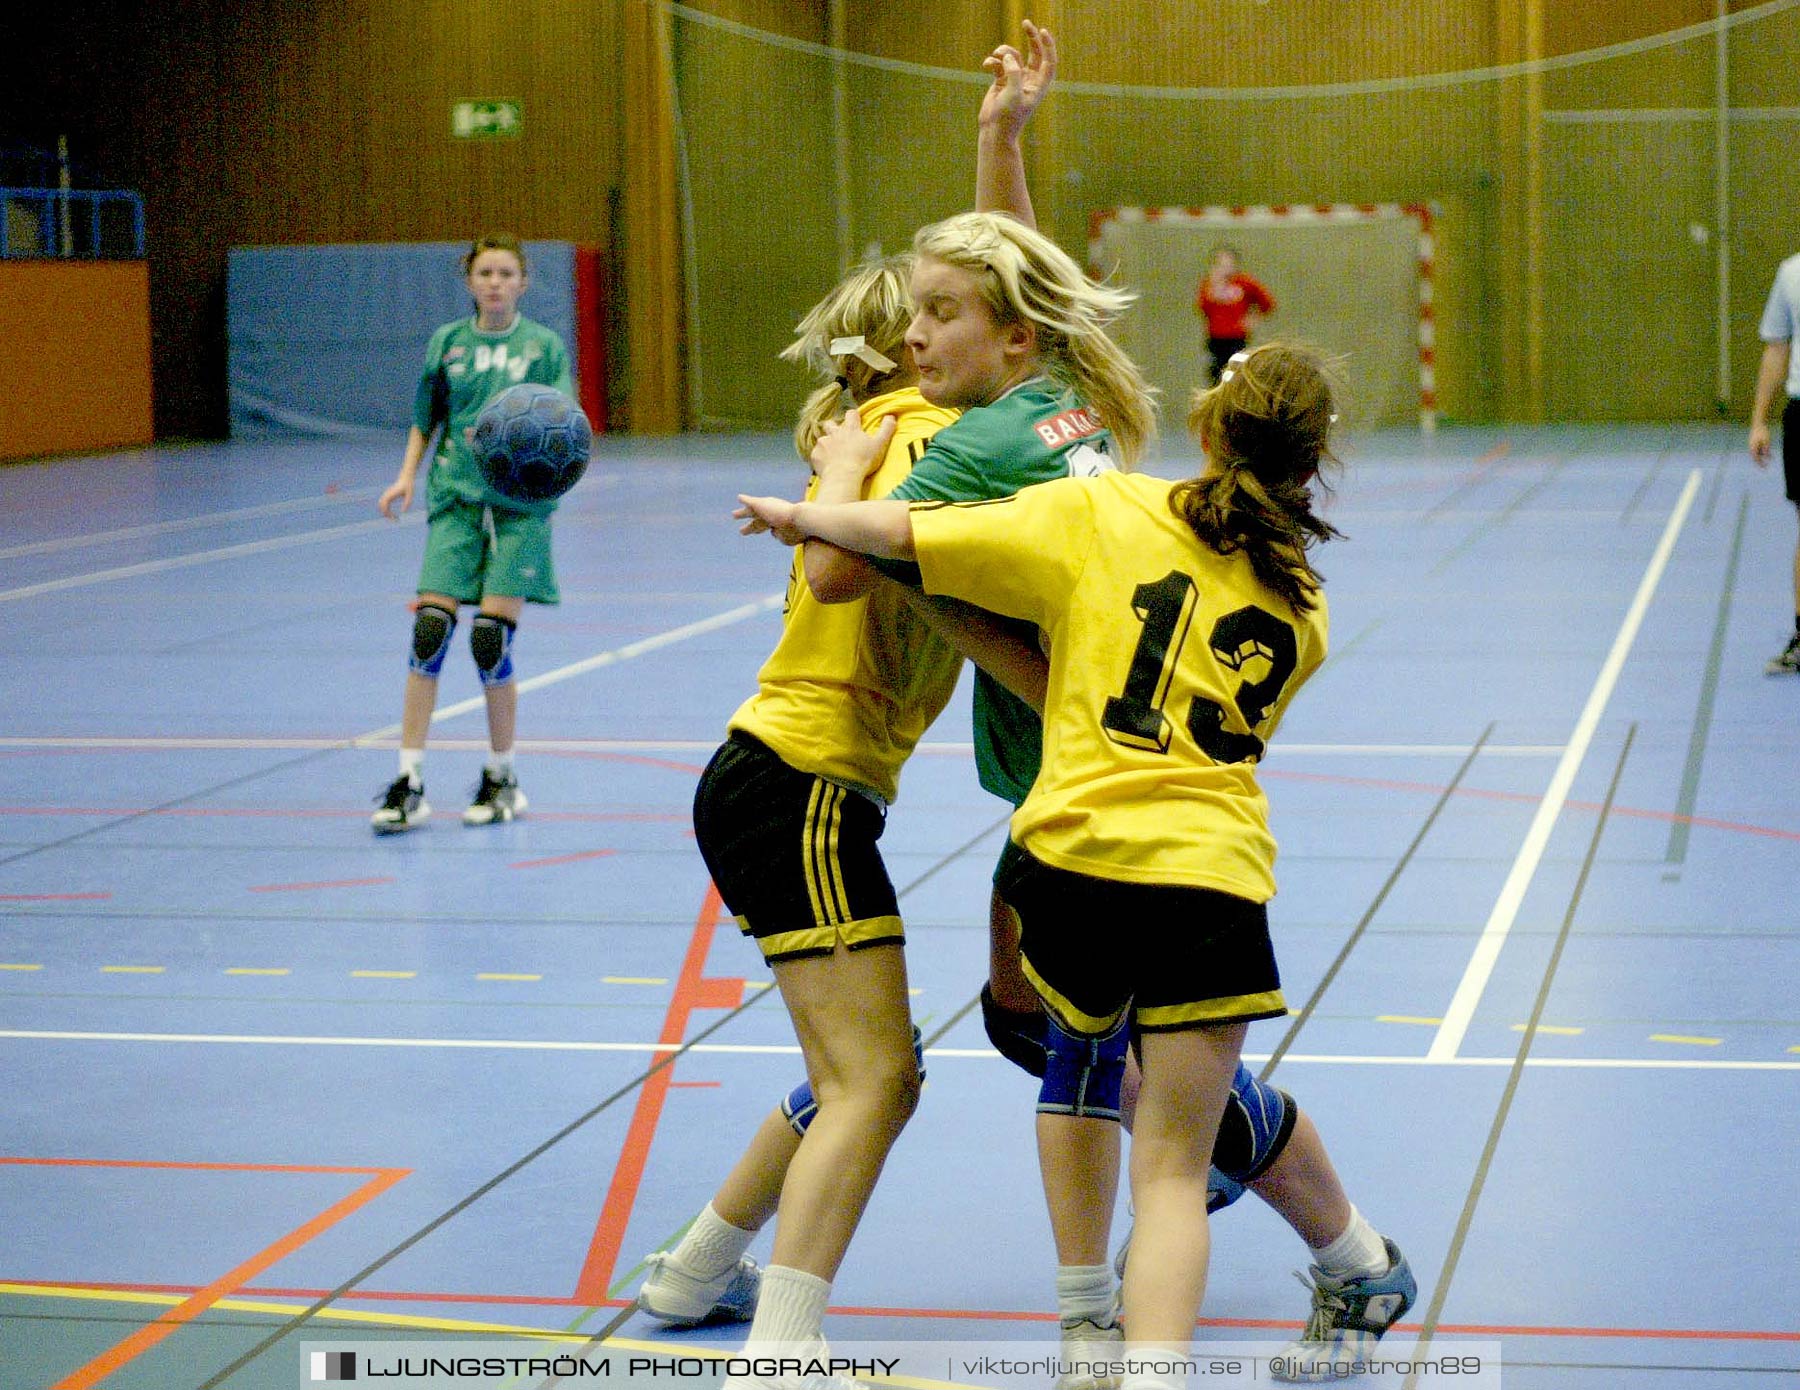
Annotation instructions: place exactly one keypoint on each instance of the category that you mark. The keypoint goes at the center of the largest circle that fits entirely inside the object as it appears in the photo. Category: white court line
(1506, 908)
(205, 557)
(656, 745)
(790, 1050)
(592, 663)
(191, 523)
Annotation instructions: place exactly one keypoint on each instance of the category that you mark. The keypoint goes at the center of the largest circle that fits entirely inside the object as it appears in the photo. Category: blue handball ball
(532, 442)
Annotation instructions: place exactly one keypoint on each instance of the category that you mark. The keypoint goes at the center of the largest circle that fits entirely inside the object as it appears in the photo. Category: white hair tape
(862, 352)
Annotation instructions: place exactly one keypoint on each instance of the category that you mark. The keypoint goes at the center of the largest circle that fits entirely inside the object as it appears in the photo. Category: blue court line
(1709, 688)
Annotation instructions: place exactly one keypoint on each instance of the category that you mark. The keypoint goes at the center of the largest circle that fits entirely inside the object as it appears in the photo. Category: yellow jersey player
(1180, 618)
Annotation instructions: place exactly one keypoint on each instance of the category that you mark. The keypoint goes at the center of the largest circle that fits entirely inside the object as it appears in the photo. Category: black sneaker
(496, 799)
(402, 807)
(1789, 661)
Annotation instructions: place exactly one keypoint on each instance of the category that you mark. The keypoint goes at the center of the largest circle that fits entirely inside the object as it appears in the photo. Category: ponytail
(1266, 429)
(871, 304)
(821, 408)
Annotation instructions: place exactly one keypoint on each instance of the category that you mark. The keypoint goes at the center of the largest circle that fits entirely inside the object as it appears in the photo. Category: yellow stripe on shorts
(824, 879)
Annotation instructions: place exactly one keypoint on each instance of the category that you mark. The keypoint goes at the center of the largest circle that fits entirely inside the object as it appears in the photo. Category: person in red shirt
(1233, 306)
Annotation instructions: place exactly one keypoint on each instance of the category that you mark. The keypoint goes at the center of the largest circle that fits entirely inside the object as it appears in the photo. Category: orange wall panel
(76, 360)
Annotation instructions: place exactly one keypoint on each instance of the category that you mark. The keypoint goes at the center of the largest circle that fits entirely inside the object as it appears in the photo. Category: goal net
(1352, 280)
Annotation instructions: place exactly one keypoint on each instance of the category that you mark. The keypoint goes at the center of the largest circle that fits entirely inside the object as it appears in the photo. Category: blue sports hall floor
(271, 1080)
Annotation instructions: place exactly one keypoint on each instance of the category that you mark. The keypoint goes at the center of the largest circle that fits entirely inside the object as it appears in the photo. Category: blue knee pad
(490, 643)
(1018, 1037)
(1258, 1122)
(1083, 1075)
(799, 1108)
(432, 629)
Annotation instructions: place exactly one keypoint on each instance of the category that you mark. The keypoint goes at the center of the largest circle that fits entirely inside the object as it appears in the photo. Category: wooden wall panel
(1578, 28)
(283, 121)
(76, 356)
(288, 122)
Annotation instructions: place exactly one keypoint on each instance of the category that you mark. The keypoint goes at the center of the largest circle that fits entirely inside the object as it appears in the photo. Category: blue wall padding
(330, 340)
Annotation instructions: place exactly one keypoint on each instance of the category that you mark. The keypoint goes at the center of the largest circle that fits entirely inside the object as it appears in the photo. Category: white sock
(790, 1307)
(1084, 1291)
(500, 764)
(711, 1245)
(412, 765)
(1163, 1379)
(1359, 1250)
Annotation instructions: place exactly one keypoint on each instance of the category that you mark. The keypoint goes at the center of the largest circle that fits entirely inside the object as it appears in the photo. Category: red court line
(693, 1085)
(228, 1283)
(615, 1214)
(324, 813)
(562, 859)
(322, 883)
(53, 897)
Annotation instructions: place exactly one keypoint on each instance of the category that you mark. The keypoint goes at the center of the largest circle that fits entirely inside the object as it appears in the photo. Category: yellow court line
(384, 974)
(632, 980)
(497, 976)
(423, 1324)
(4, 966)
(257, 970)
(1682, 1038)
(132, 969)
(1407, 1018)
(1551, 1028)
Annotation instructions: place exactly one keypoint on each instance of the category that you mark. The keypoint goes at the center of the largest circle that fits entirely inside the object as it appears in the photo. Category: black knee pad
(490, 643)
(432, 629)
(1018, 1037)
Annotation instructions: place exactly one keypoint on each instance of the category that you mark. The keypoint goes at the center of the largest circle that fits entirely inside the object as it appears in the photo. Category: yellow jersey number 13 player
(1181, 618)
(480, 548)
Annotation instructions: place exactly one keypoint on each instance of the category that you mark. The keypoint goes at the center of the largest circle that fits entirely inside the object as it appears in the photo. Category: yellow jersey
(851, 687)
(1170, 666)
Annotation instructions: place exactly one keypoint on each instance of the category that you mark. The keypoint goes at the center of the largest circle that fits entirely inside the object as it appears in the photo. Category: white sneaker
(402, 807)
(1090, 1353)
(670, 1294)
(816, 1351)
(496, 799)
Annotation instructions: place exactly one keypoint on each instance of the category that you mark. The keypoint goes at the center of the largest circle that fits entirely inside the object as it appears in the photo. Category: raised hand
(1020, 81)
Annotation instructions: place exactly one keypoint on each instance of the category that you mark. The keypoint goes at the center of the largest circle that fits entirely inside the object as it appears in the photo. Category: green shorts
(472, 551)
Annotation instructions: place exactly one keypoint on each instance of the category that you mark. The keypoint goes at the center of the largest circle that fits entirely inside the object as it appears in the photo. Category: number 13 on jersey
(1166, 609)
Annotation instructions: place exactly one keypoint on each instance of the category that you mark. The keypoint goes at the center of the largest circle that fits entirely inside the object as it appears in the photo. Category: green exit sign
(487, 120)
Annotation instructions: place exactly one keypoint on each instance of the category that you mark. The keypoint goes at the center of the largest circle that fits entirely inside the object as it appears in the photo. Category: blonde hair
(1267, 429)
(872, 302)
(1027, 278)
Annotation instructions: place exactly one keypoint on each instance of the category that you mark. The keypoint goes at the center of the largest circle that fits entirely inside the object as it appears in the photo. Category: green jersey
(465, 368)
(1032, 434)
